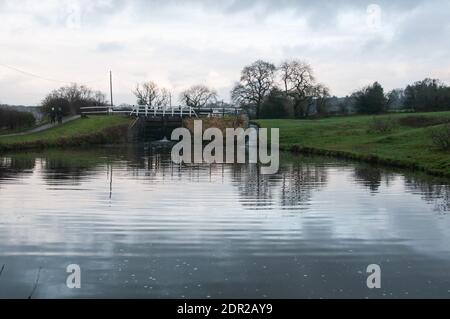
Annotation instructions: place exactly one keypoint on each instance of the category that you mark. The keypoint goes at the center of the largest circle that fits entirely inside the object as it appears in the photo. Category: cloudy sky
(49, 43)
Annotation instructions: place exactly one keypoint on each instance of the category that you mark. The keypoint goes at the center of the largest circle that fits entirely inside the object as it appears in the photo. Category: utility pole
(111, 88)
(223, 109)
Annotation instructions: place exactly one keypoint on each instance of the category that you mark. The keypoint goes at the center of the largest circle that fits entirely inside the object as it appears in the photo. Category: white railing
(178, 111)
(147, 111)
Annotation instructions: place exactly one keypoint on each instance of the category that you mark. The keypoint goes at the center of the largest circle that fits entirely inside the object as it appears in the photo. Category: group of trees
(197, 96)
(71, 98)
(13, 119)
(264, 89)
(429, 95)
(267, 91)
(275, 91)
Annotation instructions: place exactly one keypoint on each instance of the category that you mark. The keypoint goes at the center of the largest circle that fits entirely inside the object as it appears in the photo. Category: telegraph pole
(111, 88)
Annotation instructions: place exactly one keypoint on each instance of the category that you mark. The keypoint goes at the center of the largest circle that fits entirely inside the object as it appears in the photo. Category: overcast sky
(180, 43)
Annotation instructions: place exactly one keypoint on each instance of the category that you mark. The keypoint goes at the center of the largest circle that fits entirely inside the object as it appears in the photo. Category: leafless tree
(164, 98)
(299, 84)
(320, 95)
(198, 96)
(150, 94)
(72, 98)
(257, 80)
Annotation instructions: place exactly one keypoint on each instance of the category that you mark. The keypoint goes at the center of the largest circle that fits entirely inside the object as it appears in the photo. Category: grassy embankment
(95, 130)
(406, 144)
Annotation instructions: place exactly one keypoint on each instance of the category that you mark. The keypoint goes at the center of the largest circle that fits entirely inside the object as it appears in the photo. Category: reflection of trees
(150, 160)
(299, 182)
(254, 188)
(67, 166)
(371, 177)
(55, 170)
(16, 167)
(432, 192)
(75, 165)
(293, 186)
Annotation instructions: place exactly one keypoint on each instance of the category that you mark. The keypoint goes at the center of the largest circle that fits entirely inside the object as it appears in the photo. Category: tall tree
(299, 84)
(370, 100)
(257, 81)
(150, 94)
(198, 96)
(320, 96)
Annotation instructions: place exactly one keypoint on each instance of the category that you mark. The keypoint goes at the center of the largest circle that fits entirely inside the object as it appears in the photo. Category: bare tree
(150, 94)
(72, 98)
(257, 80)
(320, 95)
(299, 84)
(198, 96)
(164, 98)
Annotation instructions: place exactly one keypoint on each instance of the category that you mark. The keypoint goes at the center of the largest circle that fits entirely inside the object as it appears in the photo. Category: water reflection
(300, 181)
(141, 226)
(16, 167)
(435, 193)
(293, 186)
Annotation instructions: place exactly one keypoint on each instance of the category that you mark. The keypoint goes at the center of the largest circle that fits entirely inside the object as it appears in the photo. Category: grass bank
(405, 143)
(94, 130)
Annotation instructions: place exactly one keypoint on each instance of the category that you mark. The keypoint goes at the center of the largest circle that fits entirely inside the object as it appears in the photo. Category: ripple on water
(142, 227)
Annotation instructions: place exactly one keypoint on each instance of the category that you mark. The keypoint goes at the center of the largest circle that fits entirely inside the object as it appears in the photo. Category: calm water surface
(141, 227)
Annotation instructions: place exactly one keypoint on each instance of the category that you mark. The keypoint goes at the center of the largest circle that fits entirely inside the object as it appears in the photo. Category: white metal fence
(147, 111)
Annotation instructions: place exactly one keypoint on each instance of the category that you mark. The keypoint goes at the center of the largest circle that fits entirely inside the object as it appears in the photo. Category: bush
(440, 137)
(381, 125)
(11, 119)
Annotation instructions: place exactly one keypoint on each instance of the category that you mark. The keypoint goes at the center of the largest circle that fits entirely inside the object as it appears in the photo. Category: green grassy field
(83, 131)
(408, 144)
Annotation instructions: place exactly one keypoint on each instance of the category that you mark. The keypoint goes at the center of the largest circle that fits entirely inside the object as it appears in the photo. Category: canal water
(141, 227)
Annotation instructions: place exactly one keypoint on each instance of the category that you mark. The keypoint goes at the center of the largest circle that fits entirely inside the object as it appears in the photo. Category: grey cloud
(160, 36)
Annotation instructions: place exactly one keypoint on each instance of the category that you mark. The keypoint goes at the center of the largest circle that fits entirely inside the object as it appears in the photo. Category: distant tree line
(12, 119)
(264, 90)
(291, 91)
(429, 95)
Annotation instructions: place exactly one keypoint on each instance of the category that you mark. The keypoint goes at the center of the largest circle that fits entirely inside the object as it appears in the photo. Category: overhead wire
(30, 74)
